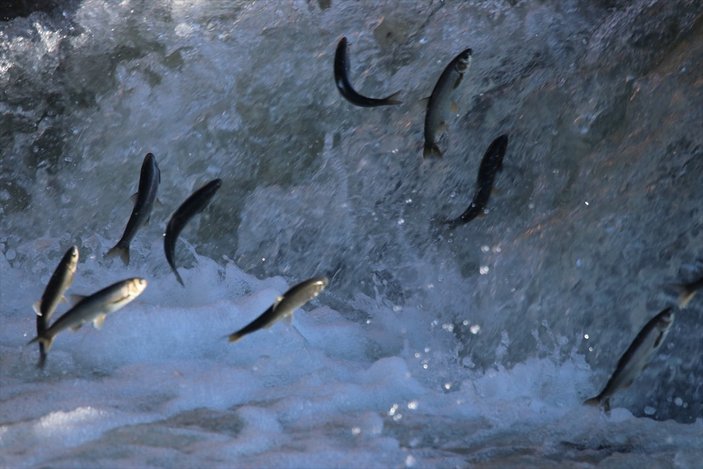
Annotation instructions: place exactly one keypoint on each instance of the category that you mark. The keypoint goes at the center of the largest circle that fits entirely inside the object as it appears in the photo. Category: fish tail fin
(393, 99)
(45, 341)
(119, 250)
(235, 336)
(431, 150)
(178, 277)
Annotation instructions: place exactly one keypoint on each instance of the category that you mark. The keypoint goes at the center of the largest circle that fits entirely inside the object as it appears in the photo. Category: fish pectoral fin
(133, 198)
(37, 307)
(75, 298)
(76, 327)
(658, 342)
(99, 321)
(458, 81)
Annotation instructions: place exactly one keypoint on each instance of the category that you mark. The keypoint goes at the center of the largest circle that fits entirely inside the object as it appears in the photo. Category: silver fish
(149, 180)
(284, 306)
(440, 101)
(192, 206)
(341, 78)
(636, 357)
(59, 282)
(93, 308)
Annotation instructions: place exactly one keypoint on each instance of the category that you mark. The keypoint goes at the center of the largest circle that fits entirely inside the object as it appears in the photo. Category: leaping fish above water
(284, 306)
(193, 205)
(636, 357)
(491, 163)
(59, 282)
(341, 79)
(440, 102)
(149, 180)
(93, 308)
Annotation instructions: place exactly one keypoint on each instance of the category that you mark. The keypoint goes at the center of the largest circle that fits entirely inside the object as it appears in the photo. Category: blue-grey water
(430, 347)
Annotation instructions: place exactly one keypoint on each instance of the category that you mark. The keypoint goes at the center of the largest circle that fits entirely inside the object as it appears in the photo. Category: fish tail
(235, 336)
(431, 150)
(42, 356)
(119, 250)
(393, 99)
(45, 341)
(178, 277)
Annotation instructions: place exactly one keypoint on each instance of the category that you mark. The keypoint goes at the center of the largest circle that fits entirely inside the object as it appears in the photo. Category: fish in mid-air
(687, 291)
(440, 102)
(284, 306)
(491, 163)
(636, 357)
(341, 78)
(93, 308)
(193, 205)
(149, 180)
(59, 282)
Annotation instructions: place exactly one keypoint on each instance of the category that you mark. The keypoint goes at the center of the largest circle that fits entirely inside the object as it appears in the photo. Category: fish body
(687, 291)
(284, 306)
(440, 101)
(341, 79)
(94, 308)
(59, 282)
(188, 209)
(149, 180)
(491, 163)
(636, 357)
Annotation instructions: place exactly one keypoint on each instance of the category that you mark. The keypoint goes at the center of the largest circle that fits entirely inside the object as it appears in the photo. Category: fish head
(318, 284)
(463, 60)
(136, 286)
(73, 258)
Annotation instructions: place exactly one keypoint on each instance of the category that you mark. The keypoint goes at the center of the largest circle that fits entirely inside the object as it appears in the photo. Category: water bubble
(356, 430)
(485, 248)
(410, 461)
(649, 410)
(678, 402)
(412, 405)
(475, 329)
(483, 270)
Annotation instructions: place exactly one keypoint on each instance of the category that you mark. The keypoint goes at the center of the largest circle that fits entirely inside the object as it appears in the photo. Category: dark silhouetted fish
(193, 205)
(341, 78)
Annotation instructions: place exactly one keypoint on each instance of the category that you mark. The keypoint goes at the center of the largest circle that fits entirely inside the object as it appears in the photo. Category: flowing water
(430, 347)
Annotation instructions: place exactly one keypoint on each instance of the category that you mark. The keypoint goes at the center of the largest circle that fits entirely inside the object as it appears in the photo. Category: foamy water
(428, 348)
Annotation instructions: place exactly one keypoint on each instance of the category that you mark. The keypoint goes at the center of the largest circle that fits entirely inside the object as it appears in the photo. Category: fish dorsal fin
(99, 321)
(37, 307)
(75, 298)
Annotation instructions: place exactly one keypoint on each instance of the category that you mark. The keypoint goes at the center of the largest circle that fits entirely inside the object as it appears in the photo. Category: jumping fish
(93, 308)
(341, 78)
(440, 101)
(636, 357)
(149, 180)
(284, 306)
(59, 282)
(192, 206)
(491, 163)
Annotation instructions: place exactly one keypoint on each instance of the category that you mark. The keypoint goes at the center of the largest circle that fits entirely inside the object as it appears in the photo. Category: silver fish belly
(284, 306)
(94, 308)
(636, 357)
(439, 104)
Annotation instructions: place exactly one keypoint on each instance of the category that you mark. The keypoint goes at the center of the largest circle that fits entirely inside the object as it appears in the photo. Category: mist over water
(481, 336)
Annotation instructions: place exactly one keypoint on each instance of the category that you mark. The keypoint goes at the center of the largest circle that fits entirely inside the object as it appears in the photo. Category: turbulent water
(430, 347)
